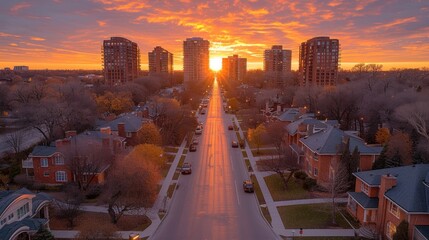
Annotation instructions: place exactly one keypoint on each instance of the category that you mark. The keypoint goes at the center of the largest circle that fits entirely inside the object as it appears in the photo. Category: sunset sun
(216, 63)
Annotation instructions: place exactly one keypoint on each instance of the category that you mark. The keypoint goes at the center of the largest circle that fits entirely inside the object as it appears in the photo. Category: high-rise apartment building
(277, 64)
(21, 68)
(195, 60)
(160, 61)
(318, 62)
(121, 60)
(234, 68)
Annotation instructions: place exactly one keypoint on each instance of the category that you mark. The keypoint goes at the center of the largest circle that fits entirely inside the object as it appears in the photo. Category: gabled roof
(132, 123)
(7, 197)
(289, 115)
(292, 128)
(409, 192)
(44, 151)
(328, 141)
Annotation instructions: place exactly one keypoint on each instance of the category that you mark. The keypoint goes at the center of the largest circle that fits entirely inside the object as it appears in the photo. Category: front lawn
(312, 216)
(279, 193)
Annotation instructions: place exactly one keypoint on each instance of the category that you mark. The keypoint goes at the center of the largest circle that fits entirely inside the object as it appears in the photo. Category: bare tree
(132, 185)
(417, 115)
(338, 181)
(70, 208)
(14, 140)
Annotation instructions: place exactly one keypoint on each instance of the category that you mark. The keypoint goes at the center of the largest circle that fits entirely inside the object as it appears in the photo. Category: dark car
(230, 127)
(234, 144)
(186, 168)
(248, 186)
(193, 147)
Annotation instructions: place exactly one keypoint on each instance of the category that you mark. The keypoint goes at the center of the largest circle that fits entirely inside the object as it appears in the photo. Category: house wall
(417, 219)
(12, 210)
(365, 162)
(52, 169)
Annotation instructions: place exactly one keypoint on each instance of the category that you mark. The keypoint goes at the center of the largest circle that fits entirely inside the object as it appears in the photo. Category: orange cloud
(258, 12)
(101, 23)
(124, 5)
(37, 39)
(396, 22)
(3, 34)
(20, 6)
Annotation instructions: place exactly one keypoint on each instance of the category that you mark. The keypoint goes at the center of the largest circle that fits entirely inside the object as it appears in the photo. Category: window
(390, 230)
(44, 162)
(61, 176)
(10, 216)
(59, 160)
(23, 210)
(46, 173)
(364, 188)
(316, 171)
(3, 221)
(129, 134)
(393, 209)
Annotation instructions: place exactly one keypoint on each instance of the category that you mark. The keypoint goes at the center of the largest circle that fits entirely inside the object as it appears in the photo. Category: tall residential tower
(195, 60)
(121, 60)
(160, 61)
(318, 62)
(234, 68)
(277, 64)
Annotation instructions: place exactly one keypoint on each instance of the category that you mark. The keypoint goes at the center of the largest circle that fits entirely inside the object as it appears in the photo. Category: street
(210, 203)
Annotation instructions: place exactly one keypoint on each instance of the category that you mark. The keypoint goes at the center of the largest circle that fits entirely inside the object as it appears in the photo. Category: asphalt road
(210, 203)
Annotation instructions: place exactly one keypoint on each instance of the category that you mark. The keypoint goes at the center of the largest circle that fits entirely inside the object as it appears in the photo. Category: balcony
(28, 163)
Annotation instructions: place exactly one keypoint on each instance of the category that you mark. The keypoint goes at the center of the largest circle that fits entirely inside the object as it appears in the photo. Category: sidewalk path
(276, 221)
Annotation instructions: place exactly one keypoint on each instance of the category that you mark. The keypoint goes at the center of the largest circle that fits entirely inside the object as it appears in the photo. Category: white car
(198, 130)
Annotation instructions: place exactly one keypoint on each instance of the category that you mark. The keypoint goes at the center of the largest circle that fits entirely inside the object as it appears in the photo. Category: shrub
(309, 183)
(93, 192)
(300, 175)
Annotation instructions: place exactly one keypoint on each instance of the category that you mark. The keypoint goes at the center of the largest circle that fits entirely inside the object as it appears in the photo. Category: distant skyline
(60, 34)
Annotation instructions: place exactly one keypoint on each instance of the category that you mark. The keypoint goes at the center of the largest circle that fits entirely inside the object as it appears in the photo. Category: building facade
(21, 68)
(384, 198)
(121, 60)
(277, 64)
(234, 68)
(160, 62)
(195, 60)
(319, 62)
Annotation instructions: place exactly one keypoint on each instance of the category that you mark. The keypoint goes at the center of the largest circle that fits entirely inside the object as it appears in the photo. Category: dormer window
(44, 162)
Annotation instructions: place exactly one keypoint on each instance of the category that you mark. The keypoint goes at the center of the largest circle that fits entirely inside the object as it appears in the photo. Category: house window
(364, 188)
(59, 160)
(61, 176)
(390, 230)
(315, 157)
(46, 173)
(44, 162)
(22, 211)
(10, 216)
(129, 134)
(316, 171)
(393, 209)
(3, 221)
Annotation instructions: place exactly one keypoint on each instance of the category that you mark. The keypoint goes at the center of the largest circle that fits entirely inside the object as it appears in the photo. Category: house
(51, 165)
(22, 213)
(126, 126)
(385, 197)
(322, 149)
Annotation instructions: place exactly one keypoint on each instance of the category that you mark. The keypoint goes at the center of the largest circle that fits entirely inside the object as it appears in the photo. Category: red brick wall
(52, 168)
(365, 162)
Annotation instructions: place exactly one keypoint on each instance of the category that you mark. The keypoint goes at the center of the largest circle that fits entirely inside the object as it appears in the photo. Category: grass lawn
(310, 216)
(171, 149)
(266, 214)
(246, 160)
(170, 190)
(182, 159)
(164, 169)
(263, 152)
(169, 157)
(293, 192)
(258, 191)
(244, 153)
(176, 175)
(185, 151)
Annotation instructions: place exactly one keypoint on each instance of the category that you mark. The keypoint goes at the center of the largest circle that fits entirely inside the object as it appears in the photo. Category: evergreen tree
(43, 234)
(401, 231)
(354, 165)
(394, 161)
(380, 162)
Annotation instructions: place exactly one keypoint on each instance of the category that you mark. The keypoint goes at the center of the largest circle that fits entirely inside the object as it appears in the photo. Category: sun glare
(216, 64)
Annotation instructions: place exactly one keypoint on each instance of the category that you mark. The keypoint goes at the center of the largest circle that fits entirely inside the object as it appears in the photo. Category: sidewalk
(162, 202)
(276, 221)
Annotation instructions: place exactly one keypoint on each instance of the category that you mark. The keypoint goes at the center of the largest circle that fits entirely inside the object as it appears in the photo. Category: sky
(67, 34)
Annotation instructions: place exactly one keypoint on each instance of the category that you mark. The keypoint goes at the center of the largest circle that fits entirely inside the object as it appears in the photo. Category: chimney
(121, 130)
(106, 130)
(70, 133)
(62, 142)
(387, 182)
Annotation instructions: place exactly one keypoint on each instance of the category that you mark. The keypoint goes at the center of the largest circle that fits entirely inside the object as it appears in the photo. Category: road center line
(236, 192)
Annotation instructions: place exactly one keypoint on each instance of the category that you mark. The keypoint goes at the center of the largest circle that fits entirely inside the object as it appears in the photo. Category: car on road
(195, 141)
(203, 111)
(198, 130)
(248, 186)
(186, 168)
(193, 147)
(234, 144)
(230, 127)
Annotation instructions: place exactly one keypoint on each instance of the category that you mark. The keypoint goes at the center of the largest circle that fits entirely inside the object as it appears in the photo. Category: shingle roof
(43, 151)
(328, 140)
(424, 230)
(32, 223)
(7, 197)
(409, 192)
(132, 123)
(40, 199)
(289, 115)
(363, 200)
(292, 127)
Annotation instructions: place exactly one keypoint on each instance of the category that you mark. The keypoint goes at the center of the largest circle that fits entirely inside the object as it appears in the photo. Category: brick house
(22, 213)
(126, 126)
(321, 150)
(49, 164)
(384, 197)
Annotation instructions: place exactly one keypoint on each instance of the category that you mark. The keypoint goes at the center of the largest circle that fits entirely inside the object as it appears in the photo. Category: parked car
(195, 141)
(186, 168)
(234, 144)
(203, 111)
(248, 186)
(198, 130)
(230, 127)
(193, 147)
